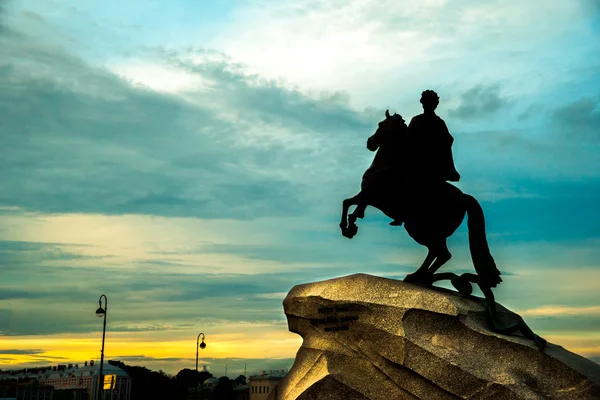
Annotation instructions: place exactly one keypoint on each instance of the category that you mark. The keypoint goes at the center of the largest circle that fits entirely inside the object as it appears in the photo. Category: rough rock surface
(367, 337)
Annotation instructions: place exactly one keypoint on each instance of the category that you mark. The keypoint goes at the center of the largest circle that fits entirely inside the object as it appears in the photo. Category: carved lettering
(325, 310)
(333, 319)
(337, 328)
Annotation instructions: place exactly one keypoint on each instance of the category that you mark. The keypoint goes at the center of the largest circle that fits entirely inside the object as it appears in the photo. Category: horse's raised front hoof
(350, 231)
(462, 285)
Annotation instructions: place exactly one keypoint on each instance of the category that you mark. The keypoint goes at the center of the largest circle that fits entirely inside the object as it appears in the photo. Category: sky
(188, 159)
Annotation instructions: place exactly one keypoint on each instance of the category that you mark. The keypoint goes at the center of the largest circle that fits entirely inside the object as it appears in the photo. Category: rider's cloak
(430, 149)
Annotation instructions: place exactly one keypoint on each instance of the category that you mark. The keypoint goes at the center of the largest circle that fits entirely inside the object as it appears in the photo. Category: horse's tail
(480, 252)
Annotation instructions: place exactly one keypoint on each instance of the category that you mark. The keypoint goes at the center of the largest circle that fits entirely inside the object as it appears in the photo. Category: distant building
(117, 384)
(263, 384)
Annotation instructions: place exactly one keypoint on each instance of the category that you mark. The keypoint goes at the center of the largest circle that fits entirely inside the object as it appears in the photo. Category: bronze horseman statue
(409, 182)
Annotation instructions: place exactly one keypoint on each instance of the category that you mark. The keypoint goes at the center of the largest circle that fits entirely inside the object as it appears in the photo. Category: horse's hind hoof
(462, 285)
(415, 278)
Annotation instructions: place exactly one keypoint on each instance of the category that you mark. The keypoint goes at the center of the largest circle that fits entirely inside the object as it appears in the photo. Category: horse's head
(390, 129)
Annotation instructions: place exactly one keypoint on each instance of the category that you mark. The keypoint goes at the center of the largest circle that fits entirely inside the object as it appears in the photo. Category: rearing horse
(431, 213)
(387, 164)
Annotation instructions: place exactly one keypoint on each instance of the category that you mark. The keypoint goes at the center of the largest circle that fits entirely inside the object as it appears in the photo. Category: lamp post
(202, 346)
(101, 312)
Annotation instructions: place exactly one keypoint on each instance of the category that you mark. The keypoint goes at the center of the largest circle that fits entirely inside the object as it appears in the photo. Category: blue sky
(189, 159)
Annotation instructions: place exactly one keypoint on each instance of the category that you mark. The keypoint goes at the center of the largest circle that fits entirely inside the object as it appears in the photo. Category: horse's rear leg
(418, 275)
(443, 256)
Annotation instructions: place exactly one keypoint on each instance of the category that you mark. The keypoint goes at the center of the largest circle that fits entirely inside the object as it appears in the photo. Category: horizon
(70, 365)
(189, 161)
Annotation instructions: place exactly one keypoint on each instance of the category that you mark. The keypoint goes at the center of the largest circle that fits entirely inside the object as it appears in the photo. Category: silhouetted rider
(429, 149)
(430, 144)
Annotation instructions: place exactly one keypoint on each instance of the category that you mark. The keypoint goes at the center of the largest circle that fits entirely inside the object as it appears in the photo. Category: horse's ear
(387, 113)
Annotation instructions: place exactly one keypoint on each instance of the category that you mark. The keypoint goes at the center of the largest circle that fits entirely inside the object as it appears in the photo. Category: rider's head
(430, 100)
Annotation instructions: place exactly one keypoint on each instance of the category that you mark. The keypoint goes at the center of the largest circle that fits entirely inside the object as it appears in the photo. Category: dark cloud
(479, 102)
(138, 358)
(22, 351)
(15, 254)
(97, 144)
(580, 119)
(15, 245)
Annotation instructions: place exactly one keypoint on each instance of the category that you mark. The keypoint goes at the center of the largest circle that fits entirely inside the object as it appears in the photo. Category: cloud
(379, 51)
(32, 15)
(479, 102)
(22, 351)
(69, 295)
(141, 358)
(562, 311)
(579, 119)
(222, 142)
(101, 145)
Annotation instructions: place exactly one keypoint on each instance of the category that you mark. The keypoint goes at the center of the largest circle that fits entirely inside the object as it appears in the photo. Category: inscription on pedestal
(331, 319)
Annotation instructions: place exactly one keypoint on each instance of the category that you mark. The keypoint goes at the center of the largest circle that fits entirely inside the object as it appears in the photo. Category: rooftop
(278, 374)
(62, 371)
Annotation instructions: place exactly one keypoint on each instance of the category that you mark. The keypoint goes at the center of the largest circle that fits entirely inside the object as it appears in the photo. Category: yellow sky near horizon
(78, 348)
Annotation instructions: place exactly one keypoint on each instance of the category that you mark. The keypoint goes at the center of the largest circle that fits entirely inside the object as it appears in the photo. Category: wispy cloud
(580, 120)
(21, 351)
(479, 102)
(562, 311)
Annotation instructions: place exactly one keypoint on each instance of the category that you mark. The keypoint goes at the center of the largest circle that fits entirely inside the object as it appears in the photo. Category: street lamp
(101, 312)
(202, 346)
